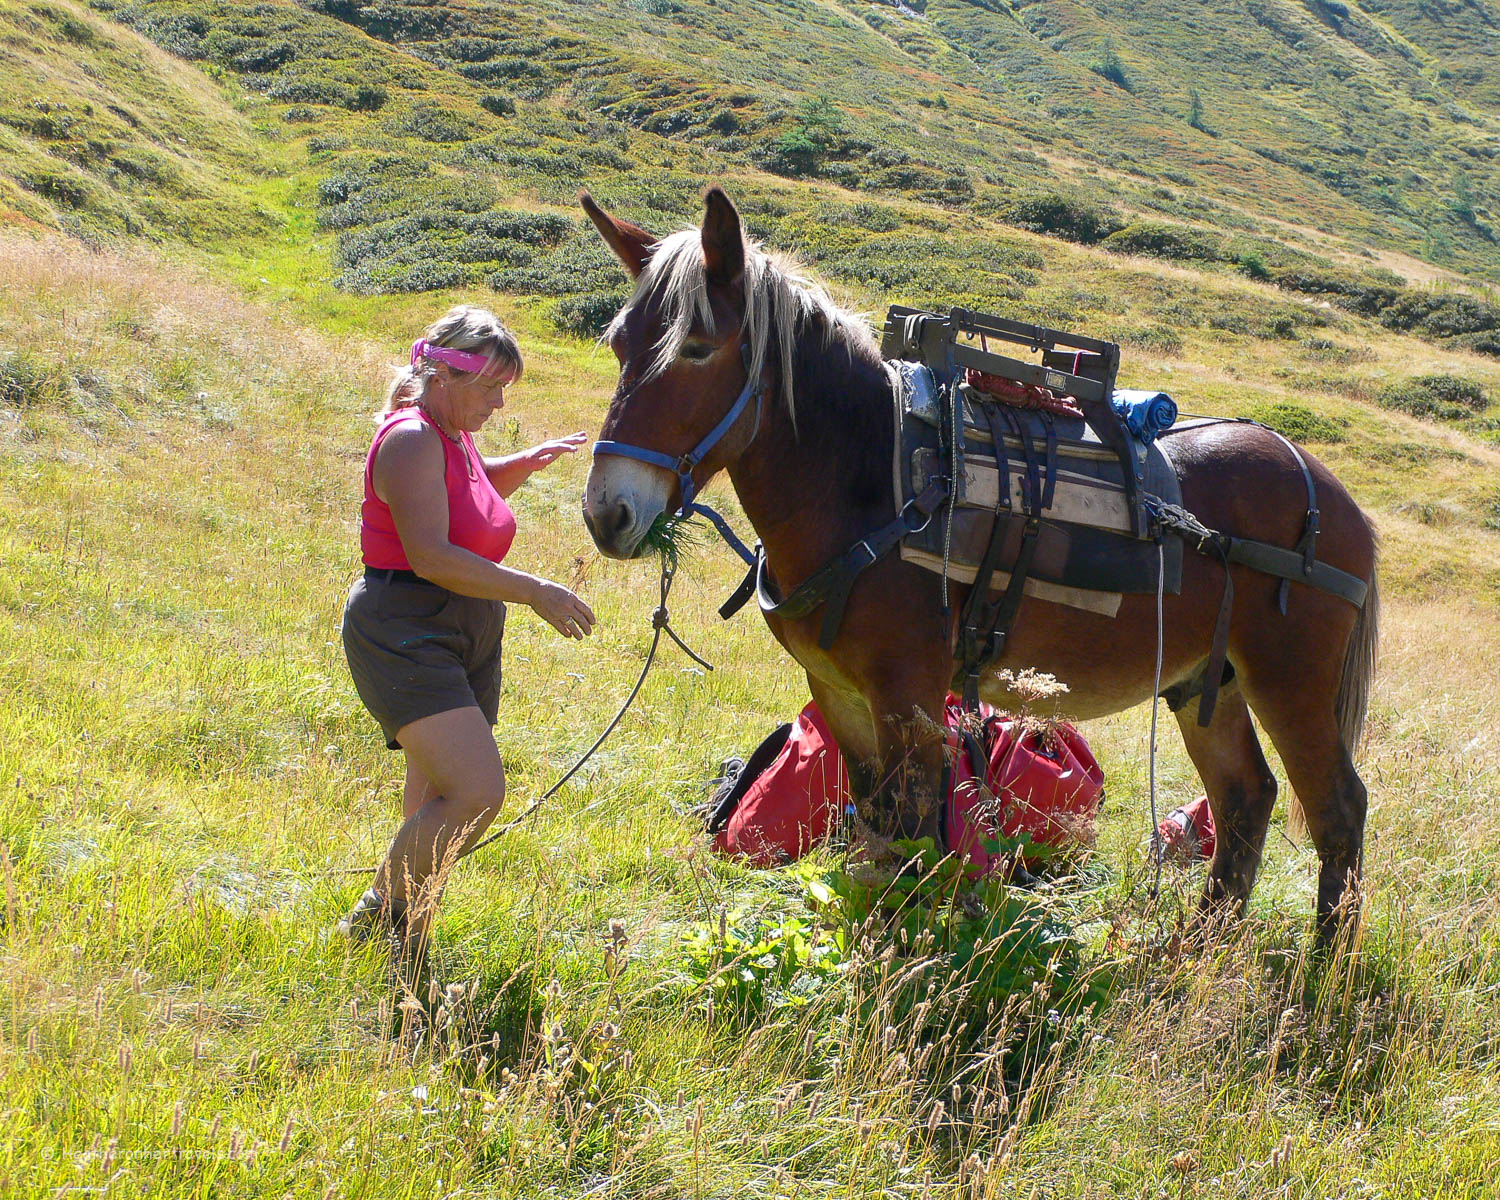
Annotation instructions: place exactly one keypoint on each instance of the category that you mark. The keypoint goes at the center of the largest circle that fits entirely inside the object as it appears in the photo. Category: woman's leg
(417, 792)
(455, 784)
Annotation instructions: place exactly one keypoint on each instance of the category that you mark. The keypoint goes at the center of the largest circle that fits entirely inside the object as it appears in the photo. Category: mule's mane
(778, 298)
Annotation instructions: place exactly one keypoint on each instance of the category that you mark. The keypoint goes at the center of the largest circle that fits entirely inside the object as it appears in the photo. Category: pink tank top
(478, 517)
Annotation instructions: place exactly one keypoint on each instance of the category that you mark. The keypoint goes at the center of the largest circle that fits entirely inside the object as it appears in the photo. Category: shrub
(1299, 423)
(588, 316)
(1440, 314)
(1062, 216)
(368, 98)
(500, 106)
(1109, 66)
(1252, 264)
(1162, 240)
(261, 59)
(1446, 397)
(1157, 338)
(432, 124)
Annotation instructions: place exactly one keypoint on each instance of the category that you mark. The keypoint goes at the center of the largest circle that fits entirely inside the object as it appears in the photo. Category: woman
(422, 628)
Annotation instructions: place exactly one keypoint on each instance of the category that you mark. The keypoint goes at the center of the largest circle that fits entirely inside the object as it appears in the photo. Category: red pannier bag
(1043, 786)
(792, 790)
(781, 807)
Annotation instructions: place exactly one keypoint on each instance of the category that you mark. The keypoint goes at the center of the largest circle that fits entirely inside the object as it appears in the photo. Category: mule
(713, 317)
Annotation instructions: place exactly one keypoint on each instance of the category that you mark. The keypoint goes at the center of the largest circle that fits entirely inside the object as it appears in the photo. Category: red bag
(785, 810)
(1049, 790)
(1045, 788)
(1186, 833)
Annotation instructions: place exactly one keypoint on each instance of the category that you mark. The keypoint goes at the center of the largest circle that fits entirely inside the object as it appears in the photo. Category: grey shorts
(416, 649)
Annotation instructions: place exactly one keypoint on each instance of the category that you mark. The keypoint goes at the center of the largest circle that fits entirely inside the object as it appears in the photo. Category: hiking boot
(373, 914)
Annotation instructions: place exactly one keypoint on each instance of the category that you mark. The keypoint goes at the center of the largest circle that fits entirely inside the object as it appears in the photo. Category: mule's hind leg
(1333, 796)
(1241, 793)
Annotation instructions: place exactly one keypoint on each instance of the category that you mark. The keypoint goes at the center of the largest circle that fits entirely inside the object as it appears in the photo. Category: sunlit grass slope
(184, 758)
(229, 218)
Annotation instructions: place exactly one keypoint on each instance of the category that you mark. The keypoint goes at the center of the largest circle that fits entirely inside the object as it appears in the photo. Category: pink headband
(462, 359)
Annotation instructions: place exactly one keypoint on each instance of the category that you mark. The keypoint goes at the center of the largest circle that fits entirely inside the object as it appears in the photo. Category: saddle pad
(1085, 556)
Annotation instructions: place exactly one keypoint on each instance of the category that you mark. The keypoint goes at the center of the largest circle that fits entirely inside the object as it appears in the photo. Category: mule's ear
(631, 243)
(723, 240)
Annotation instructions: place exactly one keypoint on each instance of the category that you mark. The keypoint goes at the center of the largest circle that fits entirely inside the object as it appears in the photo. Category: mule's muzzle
(614, 528)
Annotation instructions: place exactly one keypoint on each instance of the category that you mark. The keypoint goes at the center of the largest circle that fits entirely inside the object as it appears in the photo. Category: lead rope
(1157, 848)
(660, 622)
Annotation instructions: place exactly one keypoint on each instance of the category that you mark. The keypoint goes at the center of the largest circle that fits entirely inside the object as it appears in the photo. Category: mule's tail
(1353, 699)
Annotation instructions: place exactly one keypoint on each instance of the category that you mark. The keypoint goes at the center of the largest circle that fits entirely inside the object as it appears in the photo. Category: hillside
(219, 222)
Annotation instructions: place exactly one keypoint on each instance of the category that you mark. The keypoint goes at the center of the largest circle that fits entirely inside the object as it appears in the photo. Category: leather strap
(972, 620)
(1291, 565)
(831, 584)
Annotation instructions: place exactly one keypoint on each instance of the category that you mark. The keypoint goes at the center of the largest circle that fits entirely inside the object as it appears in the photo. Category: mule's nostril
(624, 518)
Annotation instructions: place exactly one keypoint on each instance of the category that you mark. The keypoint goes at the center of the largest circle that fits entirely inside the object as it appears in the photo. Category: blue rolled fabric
(1145, 413)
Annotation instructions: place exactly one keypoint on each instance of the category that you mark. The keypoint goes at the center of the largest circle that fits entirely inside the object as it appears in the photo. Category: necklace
(457, 441)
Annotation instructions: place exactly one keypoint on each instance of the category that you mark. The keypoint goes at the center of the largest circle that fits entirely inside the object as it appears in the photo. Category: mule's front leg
(892, 743)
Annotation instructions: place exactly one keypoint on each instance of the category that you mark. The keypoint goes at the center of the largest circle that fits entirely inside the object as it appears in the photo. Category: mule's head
(679, 342)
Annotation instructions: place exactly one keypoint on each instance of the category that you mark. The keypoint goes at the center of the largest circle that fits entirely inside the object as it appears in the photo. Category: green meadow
(221, 224)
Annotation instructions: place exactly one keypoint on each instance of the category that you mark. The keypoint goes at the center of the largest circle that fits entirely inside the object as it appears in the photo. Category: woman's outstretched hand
(547, 453)
(564, 611)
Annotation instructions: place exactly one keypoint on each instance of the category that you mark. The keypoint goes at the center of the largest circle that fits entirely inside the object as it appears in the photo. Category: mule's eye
(697, 351)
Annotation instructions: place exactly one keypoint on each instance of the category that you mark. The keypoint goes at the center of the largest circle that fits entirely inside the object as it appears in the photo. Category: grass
(185, 770)
(186, 759)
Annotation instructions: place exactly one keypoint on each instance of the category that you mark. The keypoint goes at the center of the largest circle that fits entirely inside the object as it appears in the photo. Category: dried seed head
(286, 1135)
(127, 1057)
(617, 933)
(454, 993)
(254, 1061)
(1184, 1162)
(177, 1119)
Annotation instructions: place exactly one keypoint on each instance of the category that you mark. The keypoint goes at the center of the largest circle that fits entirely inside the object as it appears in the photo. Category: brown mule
(812, 469)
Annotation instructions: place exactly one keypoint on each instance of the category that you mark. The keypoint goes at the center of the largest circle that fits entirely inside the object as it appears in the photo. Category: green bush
(500, 106)
(1062, 216)
(431, 124)
(1299, 423)
(1160, 339)
(1162, 240)
(1445, 397)
(589, 315)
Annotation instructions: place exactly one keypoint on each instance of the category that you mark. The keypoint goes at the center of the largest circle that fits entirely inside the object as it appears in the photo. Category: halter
(685, 464)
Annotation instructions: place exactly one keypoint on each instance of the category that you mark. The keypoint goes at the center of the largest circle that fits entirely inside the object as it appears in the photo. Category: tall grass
(183, 762)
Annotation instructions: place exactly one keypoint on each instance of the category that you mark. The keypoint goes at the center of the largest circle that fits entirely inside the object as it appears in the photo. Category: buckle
(864, 544)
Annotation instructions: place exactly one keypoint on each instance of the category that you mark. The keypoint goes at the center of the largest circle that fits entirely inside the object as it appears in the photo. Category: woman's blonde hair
(463, 327)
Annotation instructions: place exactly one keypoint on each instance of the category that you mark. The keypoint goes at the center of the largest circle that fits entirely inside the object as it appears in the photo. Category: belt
(396, 575)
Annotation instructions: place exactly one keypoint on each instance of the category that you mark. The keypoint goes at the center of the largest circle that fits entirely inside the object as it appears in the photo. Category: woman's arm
(510, 471)
(408, 476)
